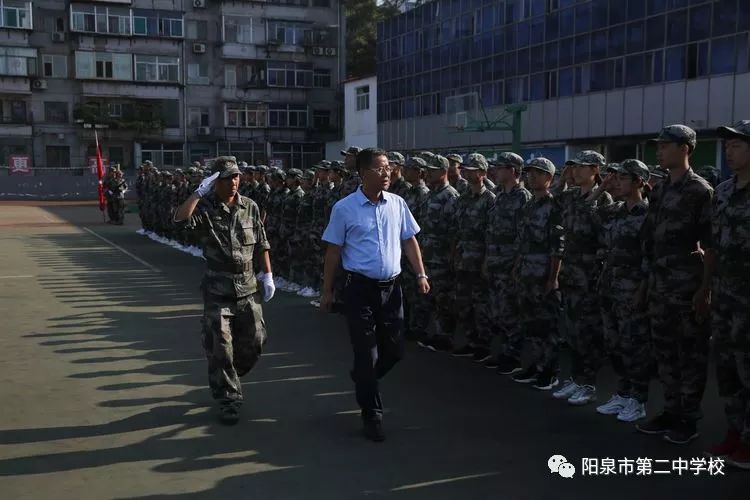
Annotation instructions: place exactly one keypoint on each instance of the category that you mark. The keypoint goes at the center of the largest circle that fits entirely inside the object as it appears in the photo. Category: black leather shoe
(373, 430)
(229, 414)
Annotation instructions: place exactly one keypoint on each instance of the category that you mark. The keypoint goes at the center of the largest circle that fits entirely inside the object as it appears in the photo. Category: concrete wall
(53, 187)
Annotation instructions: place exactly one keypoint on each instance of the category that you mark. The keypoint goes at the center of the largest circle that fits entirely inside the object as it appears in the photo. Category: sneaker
(682, 432)
(741, 457)
(614, 406)
(526, 376)
(727, 447)
(373, 430)
(657, 425)
(302, 292)
(568, 389)
(315, 303)
(464, 352)
(508, 366)
(492, 363)
(583, 396)
(634, 410)
(426, 343)
(546, 381)
(481, 354)
(441, 343)
(293, 288)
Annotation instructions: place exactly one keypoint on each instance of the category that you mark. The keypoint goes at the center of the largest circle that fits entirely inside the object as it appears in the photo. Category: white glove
(206, 185)
(268, 287)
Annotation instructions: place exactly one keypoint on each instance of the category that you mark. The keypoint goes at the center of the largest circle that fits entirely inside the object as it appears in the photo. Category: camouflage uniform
(352, 183)
(304, 254)
(540, 238)
(317, 225)
(399, 186)
(117, 187)
(471, 286)
(678, 222)
(233, 328)
(626, 331)
(273, 222)
(413, 301)
(293, 268)
(436, 242)
(731, 296)
(579, 274)
(500, 256)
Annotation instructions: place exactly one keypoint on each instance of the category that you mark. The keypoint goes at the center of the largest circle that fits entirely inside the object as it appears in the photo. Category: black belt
(230, 267)
(352, 276)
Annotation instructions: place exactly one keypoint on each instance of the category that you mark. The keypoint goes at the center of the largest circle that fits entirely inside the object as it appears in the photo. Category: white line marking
(118, 247)
(443, 481)
(13, 277)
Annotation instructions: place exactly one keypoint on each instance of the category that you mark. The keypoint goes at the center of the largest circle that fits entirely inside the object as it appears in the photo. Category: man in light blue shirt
(367, 233)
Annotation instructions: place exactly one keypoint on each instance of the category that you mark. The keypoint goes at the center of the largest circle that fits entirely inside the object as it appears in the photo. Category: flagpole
(100, 174)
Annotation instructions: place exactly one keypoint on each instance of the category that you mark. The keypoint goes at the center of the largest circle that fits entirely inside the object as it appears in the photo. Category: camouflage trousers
(471, 307)
(539, 317)
(680, 344)
(416, 305)
(628, 341)
(296, 250)
(233, 336)
(583, 319)
(731, 331)
(439, 304)
(504, 314)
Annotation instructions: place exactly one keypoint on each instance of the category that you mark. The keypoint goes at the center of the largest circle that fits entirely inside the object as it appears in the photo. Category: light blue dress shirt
(371, 234)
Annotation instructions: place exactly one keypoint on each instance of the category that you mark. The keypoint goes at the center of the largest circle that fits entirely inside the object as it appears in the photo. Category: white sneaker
(584, 395)
(614, 406)
(302, 292)
(633, 411)
(315, 303)
(294, 287)
(568, 389)
(310, 294)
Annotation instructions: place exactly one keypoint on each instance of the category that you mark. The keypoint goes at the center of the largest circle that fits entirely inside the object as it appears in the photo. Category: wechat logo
(558, 464)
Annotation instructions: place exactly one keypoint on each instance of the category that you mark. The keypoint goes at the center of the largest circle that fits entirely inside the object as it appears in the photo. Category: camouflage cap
(278, 174)
(634, 167)
(507, 159)
(252, 168)
(587, 157)
(192, 171)
(455, 157)
(323, 165)
(542, 164)
(179, 171)
(308, 174)
(166, 173)
(196, 164)
(611, 167)
(425, 155)
(226, 166)
(242, 164)
(294, 173)
(680, 134)
(395, 157)
(261, 168)
(658, 172)
(148, 163)
(741, 130)
(353, 150)
(438, 162)
(475, 161)
(416, 162)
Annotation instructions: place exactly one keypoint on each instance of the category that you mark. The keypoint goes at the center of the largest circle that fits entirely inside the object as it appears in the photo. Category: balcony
(16, 14)
(15, 126)
(122, 21)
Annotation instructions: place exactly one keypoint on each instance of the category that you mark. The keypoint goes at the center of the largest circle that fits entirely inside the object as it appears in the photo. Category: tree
(362, 18)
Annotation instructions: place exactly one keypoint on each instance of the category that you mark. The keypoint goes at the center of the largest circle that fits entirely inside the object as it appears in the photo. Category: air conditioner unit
(199, 4)
(318, 51)
(204, 130)
(39, 84)
(199, 48)
(330, 51)
(58, 37)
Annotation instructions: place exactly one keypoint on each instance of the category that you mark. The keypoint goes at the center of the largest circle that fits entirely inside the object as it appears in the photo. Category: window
(15, 14)
(107, 66)
(114, 109)
(677, 27)
(58, 157)
(363, 98)
(288, 33)
(700, 22)
(238, 29)
(17, 112)
(634, 70)
(99, 19)
(655, 32)
(163, 155)
(322, 119)
(635, 37)
(196, 30)
(17, 61)
(722, 55)
(287, 115)
(298, 75)
(245, 116)
(198, 73)
(230, 76)
(157, 69)
(322, 78)
(198, 117)
(321, 3)
(55, 66)
(56, 112)
(157, 24)
(697, 60)
(675, 64)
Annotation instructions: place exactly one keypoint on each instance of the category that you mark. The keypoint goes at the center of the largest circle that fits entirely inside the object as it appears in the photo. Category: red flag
(100, 171)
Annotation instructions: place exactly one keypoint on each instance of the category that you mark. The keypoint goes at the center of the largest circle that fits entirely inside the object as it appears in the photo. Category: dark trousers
(375, 315)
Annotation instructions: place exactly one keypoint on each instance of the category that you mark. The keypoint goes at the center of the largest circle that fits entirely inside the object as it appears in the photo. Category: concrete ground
(103, 392)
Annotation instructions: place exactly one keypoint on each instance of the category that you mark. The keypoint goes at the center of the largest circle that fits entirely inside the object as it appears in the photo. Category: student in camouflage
(676, 234)
(398, 185)
(263, 190)
(500, 255)
(231, 233)
(352, 181)
(540, 248)
(458, 183)
(413, 301)
(293, 264)
(470, 225)
(318, 223)
(301, 243)
(579, 274)
(621, 285)
(731, 295)
(279, 190)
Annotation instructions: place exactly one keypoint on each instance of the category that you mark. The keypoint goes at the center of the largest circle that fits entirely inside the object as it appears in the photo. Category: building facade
(169, 81)
(594, 74)
(360, 112)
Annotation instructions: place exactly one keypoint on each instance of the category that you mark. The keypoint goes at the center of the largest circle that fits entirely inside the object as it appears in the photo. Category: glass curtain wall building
(594, 73)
